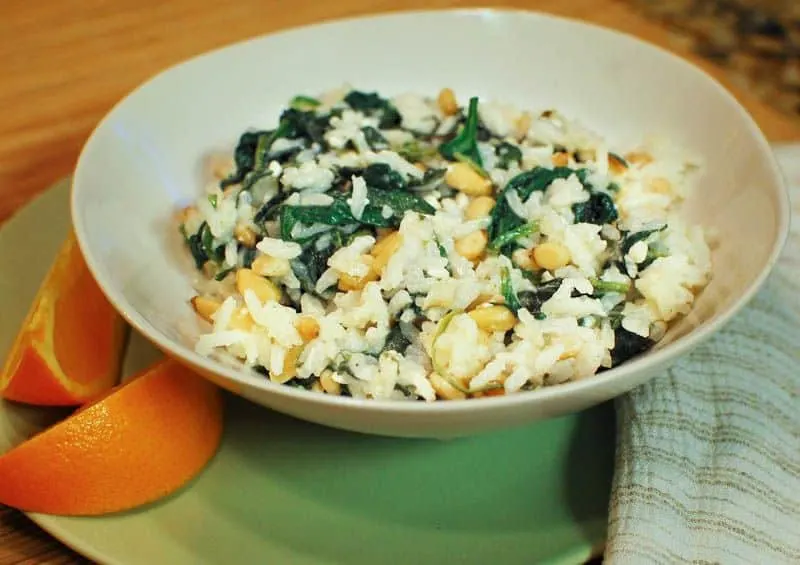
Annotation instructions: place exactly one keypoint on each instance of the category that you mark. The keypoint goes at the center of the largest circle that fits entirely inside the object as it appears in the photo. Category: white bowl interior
(144, 160)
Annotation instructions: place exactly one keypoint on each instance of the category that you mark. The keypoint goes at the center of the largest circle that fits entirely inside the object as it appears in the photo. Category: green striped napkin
(708, 455)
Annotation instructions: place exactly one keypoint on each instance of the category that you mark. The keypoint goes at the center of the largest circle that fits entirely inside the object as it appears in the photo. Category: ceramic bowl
(144, 160)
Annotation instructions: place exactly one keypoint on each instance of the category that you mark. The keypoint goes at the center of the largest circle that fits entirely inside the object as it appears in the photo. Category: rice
(389, 277)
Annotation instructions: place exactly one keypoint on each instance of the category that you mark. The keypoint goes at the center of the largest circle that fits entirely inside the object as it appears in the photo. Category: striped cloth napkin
(708, 455)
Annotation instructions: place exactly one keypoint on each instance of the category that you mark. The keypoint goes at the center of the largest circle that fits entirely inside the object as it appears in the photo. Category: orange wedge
(141, 442)
(70, 346)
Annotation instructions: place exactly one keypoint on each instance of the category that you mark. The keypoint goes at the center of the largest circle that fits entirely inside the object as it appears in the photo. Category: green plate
(284, 491)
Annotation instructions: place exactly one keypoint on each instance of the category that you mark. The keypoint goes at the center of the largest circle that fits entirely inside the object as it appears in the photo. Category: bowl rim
(539, 396)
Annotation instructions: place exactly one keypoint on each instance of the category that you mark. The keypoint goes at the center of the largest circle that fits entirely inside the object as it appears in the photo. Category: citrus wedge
(70, 346)
(143, 441)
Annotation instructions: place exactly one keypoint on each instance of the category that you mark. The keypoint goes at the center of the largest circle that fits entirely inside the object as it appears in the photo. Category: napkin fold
(708, 455)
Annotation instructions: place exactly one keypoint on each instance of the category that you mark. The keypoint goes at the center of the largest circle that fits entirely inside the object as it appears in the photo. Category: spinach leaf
(207, 242)
(244, 157)
(503, 218)
(371, 104)
(630, 239)
(337, 214)
(627, 345)
(374, 138)
(269, 209)
(532, 300)
(508, 153)
(297, 124)
(396, 340)
(196, 248)
(602, 287)
(304, 103)
(416, 150)
(431, 179)
(400, 201)
(310, 265)
(507, 290)
(383, 177)
(223, 273)
(248, 256)
(512, 235)
(599, 209)
(466, 142)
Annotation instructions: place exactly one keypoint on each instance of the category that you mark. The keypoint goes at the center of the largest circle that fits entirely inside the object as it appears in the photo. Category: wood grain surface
(65, 64)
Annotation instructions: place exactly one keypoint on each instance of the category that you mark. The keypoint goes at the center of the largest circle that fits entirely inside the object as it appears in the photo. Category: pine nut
(205, 307)
(328, 384)
(551, 256)
(264, 289)
(384, 249)
(639, 158)
(479, 207)
(464, 178)
(494, 318)
(269, 266)
(472, 246)
(560, 159)
(289, 366)
(307, 327)
(615, 165)
(349, 282)
(244, 235)
(447, 102)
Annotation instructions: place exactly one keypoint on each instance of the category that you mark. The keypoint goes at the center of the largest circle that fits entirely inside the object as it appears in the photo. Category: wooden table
(65, 64)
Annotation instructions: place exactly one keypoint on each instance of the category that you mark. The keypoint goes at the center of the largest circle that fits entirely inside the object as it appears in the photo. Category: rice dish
(413, 248)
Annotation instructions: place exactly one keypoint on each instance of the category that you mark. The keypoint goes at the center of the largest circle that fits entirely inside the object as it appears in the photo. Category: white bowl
(144, 160)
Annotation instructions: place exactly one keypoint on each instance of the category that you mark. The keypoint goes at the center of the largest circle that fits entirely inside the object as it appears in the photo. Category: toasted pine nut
(660, 185)
(289, 366)
(316, 387)
(349, 282)
(307, 327)
(523, 258)
(494, 318)
(241, 320)
(328, 384)
(421, 166)
(523, 125)
(384, 249)
(220, 166)
(472, 246)
(466, 179)
(495, 392)
(205, 307)
(560, 159)
(639, 158)
(269, 266)
(551, 256)
(479, 207)
(447, 102)
(381, 233)
(244, 235)
(616, 166)
(264, 289)
(186, 214)
(444, 389)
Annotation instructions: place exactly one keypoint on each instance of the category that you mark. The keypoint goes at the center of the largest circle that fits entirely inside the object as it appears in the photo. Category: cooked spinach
(503, 218)
(297, 382)
(371, 104)
(465, 144)
(630, 239)
(223, 273)
(337, 214)
(374, 138)
(269, 209)
(396, 340)
(304, 103)
(310, 265)
(416, 150)
(243, 157)
(599, 209)
(507, 290)
(627, 345)
(196, 249)
(431, 179)
(383, 177)
(508, 153)
(207, 242)
(248, 256)
(532, 300)
(512, 235)
(297, 124)
(400, 201)
(605, 287)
